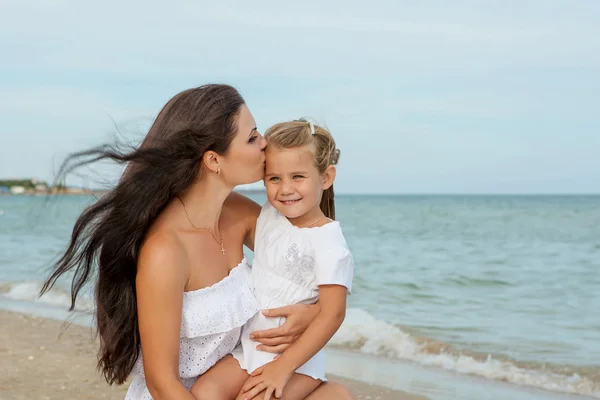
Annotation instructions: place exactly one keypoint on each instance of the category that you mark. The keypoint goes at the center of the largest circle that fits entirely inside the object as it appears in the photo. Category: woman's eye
(253, 139)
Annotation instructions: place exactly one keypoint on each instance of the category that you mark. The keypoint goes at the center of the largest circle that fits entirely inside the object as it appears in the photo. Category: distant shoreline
(80, 192)
(67, 193)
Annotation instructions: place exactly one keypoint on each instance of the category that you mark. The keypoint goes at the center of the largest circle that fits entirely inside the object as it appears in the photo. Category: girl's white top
(289, 265)
(211, 323)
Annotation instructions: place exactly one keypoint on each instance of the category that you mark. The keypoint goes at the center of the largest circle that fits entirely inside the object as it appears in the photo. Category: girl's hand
(270, 378)
(298, 318)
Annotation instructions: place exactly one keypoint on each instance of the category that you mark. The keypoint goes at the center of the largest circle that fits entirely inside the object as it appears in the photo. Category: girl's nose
(286, 188)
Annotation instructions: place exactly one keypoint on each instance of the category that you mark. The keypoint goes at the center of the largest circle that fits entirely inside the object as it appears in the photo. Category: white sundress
(289, 265)
(211, 324)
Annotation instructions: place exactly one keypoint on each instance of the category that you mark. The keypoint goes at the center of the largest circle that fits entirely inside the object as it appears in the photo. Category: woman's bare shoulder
(242, 207)
(163, 256)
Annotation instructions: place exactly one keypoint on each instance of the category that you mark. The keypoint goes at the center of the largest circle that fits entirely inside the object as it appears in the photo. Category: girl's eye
(298, 177)
(273, 179)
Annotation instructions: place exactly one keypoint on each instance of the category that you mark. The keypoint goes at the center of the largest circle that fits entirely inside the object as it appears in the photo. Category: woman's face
(245, 159)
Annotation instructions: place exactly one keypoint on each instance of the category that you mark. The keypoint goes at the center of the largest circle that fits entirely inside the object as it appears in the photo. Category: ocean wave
(479, 282)
(29, 291)
(364, 333)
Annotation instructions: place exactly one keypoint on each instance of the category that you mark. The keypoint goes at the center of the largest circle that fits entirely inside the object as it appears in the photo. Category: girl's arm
(329, 320)
(160, 301)
(274, 376)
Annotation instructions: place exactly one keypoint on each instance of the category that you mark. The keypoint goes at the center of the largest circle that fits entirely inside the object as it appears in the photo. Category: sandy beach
(46, 359)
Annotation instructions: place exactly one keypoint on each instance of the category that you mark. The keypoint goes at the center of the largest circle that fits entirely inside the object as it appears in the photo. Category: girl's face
(294, 184)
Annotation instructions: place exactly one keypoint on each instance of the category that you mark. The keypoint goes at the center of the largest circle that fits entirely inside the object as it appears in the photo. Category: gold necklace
(314, 222)
(206, 229)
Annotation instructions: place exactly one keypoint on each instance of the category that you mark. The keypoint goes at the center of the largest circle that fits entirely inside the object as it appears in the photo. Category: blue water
(515, 277)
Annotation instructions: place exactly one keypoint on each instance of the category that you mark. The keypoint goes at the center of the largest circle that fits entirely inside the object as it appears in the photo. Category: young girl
(301, 256)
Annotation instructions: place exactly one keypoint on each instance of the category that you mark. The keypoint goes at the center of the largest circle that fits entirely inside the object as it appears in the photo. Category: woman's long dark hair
(106, 239)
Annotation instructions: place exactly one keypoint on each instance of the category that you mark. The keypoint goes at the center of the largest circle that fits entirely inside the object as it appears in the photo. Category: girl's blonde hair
(293, 134)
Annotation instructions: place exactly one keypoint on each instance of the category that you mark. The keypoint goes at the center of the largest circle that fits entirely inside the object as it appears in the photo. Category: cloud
(61, 102)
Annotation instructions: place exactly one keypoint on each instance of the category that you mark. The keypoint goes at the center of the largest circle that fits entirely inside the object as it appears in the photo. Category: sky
(421, 97)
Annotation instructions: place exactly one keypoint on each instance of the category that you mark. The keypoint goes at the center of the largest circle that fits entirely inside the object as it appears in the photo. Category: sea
(450, 291)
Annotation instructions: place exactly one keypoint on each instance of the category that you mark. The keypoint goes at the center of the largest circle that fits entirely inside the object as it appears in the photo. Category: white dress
(289, 265)
(211, 324)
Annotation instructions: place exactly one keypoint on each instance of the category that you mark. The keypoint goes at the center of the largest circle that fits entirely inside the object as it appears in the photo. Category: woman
(167, 243)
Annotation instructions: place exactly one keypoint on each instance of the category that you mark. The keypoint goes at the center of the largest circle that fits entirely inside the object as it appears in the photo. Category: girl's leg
(222, 382)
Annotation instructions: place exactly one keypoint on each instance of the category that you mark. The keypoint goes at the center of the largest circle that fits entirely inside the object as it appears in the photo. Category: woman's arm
(160, 283)
(298, 318)
(274, 376)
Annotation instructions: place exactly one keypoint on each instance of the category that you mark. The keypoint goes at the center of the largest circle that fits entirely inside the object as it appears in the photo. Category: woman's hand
(298, 318)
